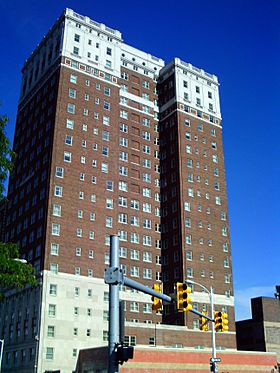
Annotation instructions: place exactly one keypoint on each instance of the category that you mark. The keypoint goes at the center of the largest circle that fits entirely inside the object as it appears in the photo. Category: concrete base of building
(163, 360)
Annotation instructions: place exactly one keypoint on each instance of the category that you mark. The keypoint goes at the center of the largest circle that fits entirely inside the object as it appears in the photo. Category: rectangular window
(49, 353)
(55, 229)
(56, 210)
(72, 93)
(67, 157)
(54, 248)
(71, 108)
(107, 91)
(73, 79)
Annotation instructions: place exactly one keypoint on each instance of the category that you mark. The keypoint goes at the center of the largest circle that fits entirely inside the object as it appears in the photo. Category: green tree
(6, 155)
(13, 273)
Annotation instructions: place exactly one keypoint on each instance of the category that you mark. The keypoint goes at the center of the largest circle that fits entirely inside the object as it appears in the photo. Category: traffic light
(221, 321)
(124, 353)
(183, 297)
(203, 323)
(157, 303)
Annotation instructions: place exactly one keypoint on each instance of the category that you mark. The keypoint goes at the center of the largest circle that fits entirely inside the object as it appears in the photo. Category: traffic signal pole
(114, 308)
(214, 351)
(115, 277)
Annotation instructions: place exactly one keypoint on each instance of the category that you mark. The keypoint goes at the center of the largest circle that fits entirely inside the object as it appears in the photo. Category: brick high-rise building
(111, 140)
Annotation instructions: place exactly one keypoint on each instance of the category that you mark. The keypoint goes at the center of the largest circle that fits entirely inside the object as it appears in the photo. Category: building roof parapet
(177, 62)
(99, 27)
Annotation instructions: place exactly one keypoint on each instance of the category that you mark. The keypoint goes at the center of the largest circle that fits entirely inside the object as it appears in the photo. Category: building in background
(262, 332)
(110, 140)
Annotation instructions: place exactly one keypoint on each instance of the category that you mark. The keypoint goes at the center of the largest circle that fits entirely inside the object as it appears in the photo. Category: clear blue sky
(237, 40)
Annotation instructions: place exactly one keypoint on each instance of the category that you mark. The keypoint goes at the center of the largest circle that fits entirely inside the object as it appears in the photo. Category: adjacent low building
(262, 331)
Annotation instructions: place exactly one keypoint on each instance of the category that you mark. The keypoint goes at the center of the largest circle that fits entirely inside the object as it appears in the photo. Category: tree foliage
(6, 155)
(14, 273)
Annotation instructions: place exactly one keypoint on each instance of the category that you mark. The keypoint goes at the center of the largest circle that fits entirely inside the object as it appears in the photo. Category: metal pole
(213, 329)
(114, 311)
(136, 285)
(1, 352)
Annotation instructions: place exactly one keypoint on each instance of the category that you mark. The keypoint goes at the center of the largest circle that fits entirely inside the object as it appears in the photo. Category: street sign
(215, 359)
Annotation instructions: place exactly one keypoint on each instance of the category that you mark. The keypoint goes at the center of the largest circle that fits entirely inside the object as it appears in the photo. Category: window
(124, 75)
(147, 207)
(78, 251)
(88, 332)
(147, 256)
(69, 124)
(134, 238)
(189, 272)
(122, 218)
(54, 248)
(73, 79)
(147, 192)
(52, 310)
(77, 38)
(134, 254)
(108, 64)
(106, 105)
(72, 93)
(134, 271)
(147, 240)
(123, 156)
(227, 278)
(50, 331)
(71, 108)
(53, 289)
(106, 120)
(76, 51)
(56, 229)
(188, 239)
(226, 263)
(124, 142)
(107, 91)
(146, 149)
(134, 204)
(49, 353)
(123, 186)
(122, 201)
(109, 203)
(147, 308)
(105, 135)
(109, 222)
(123, 128)
(54, 268)
(124, 114)
(56, 210)
(147, 273)
(67, 157)
(59, 172)
(104, 167)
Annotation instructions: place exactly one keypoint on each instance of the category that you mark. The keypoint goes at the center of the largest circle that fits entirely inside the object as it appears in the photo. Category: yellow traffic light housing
(157, 303)
(221, 321)
(183, 297)
(203, 323)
